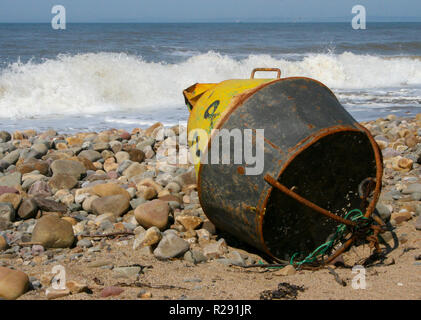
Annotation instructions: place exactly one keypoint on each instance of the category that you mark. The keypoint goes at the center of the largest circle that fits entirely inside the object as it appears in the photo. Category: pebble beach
(126, 223)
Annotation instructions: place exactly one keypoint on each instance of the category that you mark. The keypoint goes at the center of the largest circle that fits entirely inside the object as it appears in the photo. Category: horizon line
(208, 22)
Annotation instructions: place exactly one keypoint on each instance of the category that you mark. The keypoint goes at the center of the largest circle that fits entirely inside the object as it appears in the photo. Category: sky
(208, 11)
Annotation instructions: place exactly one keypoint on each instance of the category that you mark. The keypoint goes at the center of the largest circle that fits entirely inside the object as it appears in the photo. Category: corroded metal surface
(313, 147)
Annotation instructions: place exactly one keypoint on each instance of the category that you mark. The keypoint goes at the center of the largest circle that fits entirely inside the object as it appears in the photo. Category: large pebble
(401, 216)
(49, 205)
(117, 204)
(134, 169)
(32, 165)
(28, 209)
(13, 283)
(126, 272)
(109, 189)
(153, 213)
(12, 180)
(12, 198)
(62, 181)
(215, 250)
(171, 246)
(40, 188)
(136, 155)
(90, 155)
(4, 190)
(70, 167)
(13, 156)
(53, 232)
(412, 188)
(149, 238)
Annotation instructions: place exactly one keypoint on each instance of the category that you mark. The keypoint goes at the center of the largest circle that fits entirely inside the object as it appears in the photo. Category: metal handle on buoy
(278, 76)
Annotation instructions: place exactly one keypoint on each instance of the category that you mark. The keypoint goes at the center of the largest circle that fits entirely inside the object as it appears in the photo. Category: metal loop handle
(278, 76)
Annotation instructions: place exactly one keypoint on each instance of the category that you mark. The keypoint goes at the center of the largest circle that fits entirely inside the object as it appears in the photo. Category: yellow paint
(208, 103)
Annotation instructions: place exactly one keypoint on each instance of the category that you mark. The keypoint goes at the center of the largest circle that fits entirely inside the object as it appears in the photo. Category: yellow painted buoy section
(209, 103)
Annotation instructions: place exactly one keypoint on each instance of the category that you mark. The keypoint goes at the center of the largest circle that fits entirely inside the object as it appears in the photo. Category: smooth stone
(13, 156)
(116, 146)
(416, 196)
(136, 202)
(116, 204)
(122, 156)
(7, 215)
(91, 155)
(4, 190)
(123, 166)
(84, 243)
(189, 222)
(153, 213)
(288, 270)
(170, 246)
(40, 148)
(13, 283)
(76, 287)
(195, 256)
(62, 181)
(186, 178)
(70, 167)
(401, 216)
(215, 250)
(52, 293)
(101, 146)
(111, 291)
(149, 238)
(147, 193)
(31, 165)
(134, 169)
(12, 198)
(49, 205)
(5, 136)
(109, 216)
(126, 272)
(28, 209)
(87, 203)
(53, 232)
(136, 155)
(39, 188)
(412, 188)
(146, 251)
(11, 180)
(236, 259)
(109, 189)
(100, 263)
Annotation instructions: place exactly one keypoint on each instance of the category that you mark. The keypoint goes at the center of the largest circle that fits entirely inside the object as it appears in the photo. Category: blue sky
(208, 11)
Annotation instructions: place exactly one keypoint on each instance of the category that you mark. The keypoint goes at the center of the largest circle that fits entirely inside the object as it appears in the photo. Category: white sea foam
(111, 82)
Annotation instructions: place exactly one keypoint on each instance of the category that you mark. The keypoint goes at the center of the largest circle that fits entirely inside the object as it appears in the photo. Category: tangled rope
(361, 229)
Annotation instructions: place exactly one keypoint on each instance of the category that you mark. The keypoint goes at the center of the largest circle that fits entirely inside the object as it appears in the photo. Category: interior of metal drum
(328, 173)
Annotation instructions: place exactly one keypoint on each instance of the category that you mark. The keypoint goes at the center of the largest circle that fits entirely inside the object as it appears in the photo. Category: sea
(91, 77)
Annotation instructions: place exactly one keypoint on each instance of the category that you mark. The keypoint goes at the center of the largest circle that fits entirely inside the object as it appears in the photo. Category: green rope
(328, 245)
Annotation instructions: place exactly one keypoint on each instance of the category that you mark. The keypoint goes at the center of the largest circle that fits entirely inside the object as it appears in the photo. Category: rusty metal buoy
(319, 163)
